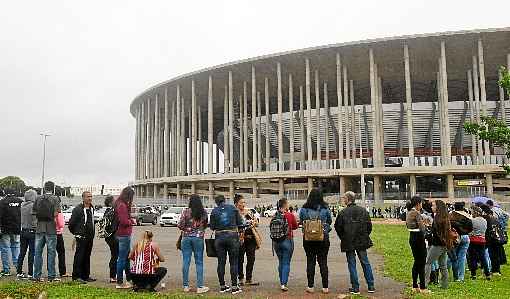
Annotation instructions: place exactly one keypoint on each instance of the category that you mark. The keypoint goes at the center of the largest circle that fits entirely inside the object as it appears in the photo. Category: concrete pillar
(346, 118)
(378, 190)
(156, 191)
(483, 96)
(193, 188)
(137, 133)
(211, 191)
(280, 117)
(380, 119)
(165, 190)
(190, 143)
(210, 128)
(171, 137)
(150, 125)
(441, 116)
(326, 127)
(178, 192)
(147, 192)
(241, 133)
(255, 189)
(155, 152)
(474, 153)
(281, 188)
(444, 87)
(302, 123)
(291, 123)
(309, 114)
(476, 92)
(254, 120)
(259, 134)
(318, 119)
(268, 119)
(231, 122)
(373, 102)
(178, 116)
(193, 129)
(231, 190)
(143, 174)
(340, 105)
(450, 188)
(200, 145)
(489, 185)
(342, 186)
(310, 184)
(226, 133)
(166, 141)
(245, 128)
(409, 106)
(353, 123)
(412, 184)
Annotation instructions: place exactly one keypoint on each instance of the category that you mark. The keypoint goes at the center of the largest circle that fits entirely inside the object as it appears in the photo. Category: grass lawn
(392, 242)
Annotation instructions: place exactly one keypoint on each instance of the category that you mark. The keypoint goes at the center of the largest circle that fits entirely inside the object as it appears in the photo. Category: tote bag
(210, 249)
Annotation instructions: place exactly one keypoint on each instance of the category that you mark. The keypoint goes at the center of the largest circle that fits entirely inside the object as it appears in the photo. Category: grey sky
(72, 68)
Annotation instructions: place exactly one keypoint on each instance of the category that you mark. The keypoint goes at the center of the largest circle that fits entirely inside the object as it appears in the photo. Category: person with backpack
(225, 221)
(106, 230)
(81, 225)
(502, 218)
(460, 221)
(123, 234)
(493, 239)
(27, 239)
(416, 227)
(281, 230)
(192, 224)
(315, 217)
(477, 242)
(10, 226)
(46, 208)
(353, 226)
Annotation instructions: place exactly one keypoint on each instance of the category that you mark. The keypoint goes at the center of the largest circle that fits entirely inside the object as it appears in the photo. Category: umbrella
(483, 200)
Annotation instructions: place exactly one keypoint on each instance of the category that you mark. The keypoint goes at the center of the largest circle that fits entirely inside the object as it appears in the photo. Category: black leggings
(317, 252)
(419, 250)
(476, 253)
(249, 246)
(495, 256)
(148, 281)
(113, 244)
(61, 252)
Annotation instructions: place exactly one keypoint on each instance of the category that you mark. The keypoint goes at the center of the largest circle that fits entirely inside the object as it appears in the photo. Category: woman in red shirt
(285, 248)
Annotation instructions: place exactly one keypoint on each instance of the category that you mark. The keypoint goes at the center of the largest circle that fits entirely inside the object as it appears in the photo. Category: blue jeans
(284, 251)
(459, 264)
(40, 241)
(487, 258)
(195, 246)
(122, 259)
(365, 264)
(9, 242)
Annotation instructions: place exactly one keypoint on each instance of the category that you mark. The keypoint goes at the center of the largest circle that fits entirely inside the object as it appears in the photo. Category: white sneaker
(202, 290)
(284, 288)
(310, 290)
(186, 289)
(325, 291)
(163, 285)
(126, 285)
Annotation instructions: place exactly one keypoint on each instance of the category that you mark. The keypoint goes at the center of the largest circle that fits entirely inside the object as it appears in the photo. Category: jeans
(487, 258)
(419, 250)
(284, 251)
(317, 252)
(365, 265)
(195, 246)
(122, 259)
(249, 247)
(40, 241)
(27, 243)
(148, 281)
(227, 243)
(459, 264)
(113, 244)
(439, 254)
(9, 242)
(476, 254)
(61, 253)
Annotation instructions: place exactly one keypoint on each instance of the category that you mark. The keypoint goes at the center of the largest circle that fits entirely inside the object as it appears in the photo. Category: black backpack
(278, 228)
(109, 224)
(45, 209)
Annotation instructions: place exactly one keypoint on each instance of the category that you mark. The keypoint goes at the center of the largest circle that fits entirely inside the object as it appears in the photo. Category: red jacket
(125, 224)
(291, 220)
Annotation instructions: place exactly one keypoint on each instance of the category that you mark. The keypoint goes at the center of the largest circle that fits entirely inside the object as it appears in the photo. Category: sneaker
(202, 290)
(224, 289)
(371, 290)
(21, 276)
(6, 273)
(54, 279)
(309, 290)
(354, 291)
(496, 274)
(186, 289)
(325, 290)
(425, 291)
(124, 286)
(236, 290)
(284, 288)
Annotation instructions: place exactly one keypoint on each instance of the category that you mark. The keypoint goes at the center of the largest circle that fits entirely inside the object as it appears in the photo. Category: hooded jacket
(28, 220)
(353, 226)
(10, 215)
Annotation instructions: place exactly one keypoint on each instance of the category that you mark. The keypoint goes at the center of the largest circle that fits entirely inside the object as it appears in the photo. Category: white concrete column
(309, 114)
(440, 108)
(450, 186)
(137, 135)
(156, 191)
(184, 153)
(245, 128)
(173, 139)
(268, 119)
(310, 184)
(412, 184)
(210, 128)
(211, 191)
(489, 185)
(193, 188)
(326, 127)
(444, 87)
(190, 143)
(476, 92)
(346, 118)
(254, 120)
(200, 147)
(291, 123)
(178, 193)
(378, 190)
(178, 116)
(409, 107)
(353, 123)
(281, 188)
(156, 139)
(255, 189)
(380, 114)
(373, 102)
(302, 124)
(165, 190)
(342, 186)
(280, 117)
(241, 133)
(193, 134)
(231, 190)
(474, 154)
(226, 133)
(502, 100)
(318, 119)
(483, 96)
(231, 121)
(143, 144)
(150, 120)
(259, 134)
(166, 141)
(339, 114)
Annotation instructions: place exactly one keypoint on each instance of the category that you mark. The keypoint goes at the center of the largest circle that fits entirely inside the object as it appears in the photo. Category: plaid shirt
(191, 227)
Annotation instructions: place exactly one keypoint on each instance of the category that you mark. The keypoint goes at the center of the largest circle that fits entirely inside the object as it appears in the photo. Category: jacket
(77, 222)
(10, 215)
(225, 217)
(324, 215)
(353, 226)
(125, 225)
(28, 220)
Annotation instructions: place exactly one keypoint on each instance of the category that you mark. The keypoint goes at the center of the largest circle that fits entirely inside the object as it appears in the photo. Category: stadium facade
(375, 116)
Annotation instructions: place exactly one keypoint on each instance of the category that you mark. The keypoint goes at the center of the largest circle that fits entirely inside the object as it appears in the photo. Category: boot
(436, 277)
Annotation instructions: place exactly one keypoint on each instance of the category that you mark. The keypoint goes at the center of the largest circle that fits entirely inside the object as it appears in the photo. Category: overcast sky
(71, 68)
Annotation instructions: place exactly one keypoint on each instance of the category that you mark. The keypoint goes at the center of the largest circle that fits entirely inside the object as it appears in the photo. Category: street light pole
(43, 160)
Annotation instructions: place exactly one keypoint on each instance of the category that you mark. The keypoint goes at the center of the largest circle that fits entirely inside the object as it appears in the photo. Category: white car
(67, 214)
(171, 216)
(99, 214)
(270, 213)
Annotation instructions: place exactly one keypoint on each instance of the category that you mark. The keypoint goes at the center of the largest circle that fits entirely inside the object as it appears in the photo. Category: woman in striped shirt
(145, 270)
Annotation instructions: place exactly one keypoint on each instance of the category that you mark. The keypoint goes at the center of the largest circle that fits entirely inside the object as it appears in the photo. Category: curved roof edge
(308, 49)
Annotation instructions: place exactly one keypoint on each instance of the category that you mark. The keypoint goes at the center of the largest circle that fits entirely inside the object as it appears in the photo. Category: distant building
(96, 189)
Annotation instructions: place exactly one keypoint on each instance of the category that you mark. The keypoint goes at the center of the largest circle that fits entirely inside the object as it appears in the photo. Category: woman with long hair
(438, 244)
(146, 256)
(193, 223)
(124, 231)
(248, 242)
(316, 251)
(111, 241)
(284, 249)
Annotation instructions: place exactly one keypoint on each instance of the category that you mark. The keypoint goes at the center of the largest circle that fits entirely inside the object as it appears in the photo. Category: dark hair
(126, 196)
(196, 206)
(427, 206)
(441, 221)
(281, 202)
(219, 199)
(459, 206)
(237, 198)
(315, 200)
(490, 203)
(416, 200)
(486, 210)
(49, 186)
(108, 200)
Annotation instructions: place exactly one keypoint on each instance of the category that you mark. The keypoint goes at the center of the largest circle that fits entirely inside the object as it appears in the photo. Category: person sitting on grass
(145, 270)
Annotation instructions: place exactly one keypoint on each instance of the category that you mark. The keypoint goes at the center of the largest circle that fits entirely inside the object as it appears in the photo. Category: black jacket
(10, 215)
(77, 222)
(353, 227)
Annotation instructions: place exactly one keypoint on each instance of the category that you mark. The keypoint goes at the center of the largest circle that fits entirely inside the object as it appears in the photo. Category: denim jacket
(324, 214)
(225, 217)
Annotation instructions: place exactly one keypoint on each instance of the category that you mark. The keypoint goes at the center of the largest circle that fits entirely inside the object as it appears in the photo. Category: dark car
(144, 215)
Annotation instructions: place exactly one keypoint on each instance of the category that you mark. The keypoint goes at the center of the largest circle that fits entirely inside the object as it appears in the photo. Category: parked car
(171, 216)
(67, 214)
(144, 215)
(99, 214)
(270, 213)
(256, 214)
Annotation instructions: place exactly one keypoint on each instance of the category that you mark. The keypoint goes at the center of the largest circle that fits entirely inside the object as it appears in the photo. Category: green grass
(392, 242)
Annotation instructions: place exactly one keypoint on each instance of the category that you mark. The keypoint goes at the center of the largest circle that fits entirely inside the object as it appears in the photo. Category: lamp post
(44, 136)
(362, 182)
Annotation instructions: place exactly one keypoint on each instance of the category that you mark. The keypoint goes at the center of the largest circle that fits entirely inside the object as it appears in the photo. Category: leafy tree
(12, 182)
(491, 129)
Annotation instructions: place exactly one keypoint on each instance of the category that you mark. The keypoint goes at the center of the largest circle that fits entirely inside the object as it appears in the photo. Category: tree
(12, 182)
(491, 129)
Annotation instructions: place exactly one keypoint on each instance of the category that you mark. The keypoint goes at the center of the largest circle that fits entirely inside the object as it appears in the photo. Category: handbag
(179, 241)
(258, 238)
(210, 249)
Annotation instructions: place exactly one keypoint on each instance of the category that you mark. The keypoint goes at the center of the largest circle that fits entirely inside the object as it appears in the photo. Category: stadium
(382, 117)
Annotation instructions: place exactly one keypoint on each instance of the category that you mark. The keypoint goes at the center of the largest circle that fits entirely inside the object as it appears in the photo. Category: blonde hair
(144, 240)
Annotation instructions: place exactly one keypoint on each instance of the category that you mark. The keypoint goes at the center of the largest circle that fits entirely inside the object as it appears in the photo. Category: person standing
(353, 226)
(438, 250)
(502, 217)
(27, 238)
(46, 208)
(10, 226)
(110, 238)
(225, 221)
(61, 250)
(192, 224)
(248, 243)
(460, 220)
(493, 238)
(477, 242)
(81, 225)
(123, 234)
(285, 249)
(416, 227)
(146, 256)
(315, 208)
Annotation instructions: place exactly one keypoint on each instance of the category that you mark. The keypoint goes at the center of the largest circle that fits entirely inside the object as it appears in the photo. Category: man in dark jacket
(10, 226)
(353, 227)
(81, 225)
